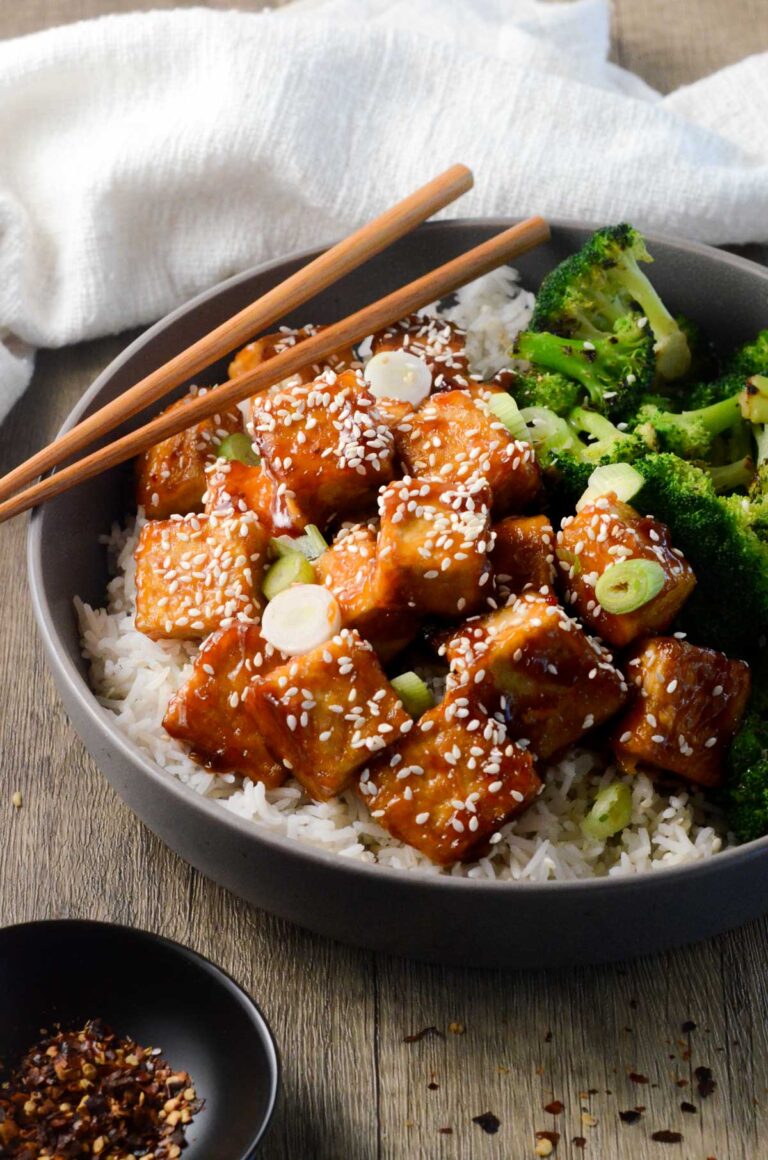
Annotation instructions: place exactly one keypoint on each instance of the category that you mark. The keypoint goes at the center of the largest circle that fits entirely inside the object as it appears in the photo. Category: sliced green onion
(311, 544)
(629, 584)
(621, 479)
(238, 446)
(290, 569)
(611, 811)
(414, 693)
(507, 411)
(549, 433)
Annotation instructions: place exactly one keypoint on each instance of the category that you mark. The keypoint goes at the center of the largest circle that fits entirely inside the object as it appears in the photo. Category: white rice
(134, 678)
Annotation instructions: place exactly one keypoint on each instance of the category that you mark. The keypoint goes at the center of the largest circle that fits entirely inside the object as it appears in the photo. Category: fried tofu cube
(170, 477)
(609, 532)
(197, 574)
(449, 786)
(256, 353)
(348, 568)
(453, 437)
(523, 556)
(207, 712)
(688, 707)
(533, 663)
(235, 487)
(326, 443)
(438, 342)
(323, 714)
(433, 546)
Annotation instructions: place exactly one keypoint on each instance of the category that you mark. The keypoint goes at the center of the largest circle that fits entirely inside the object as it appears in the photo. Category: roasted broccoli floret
(589, 292)
(616, 370)
(751, 358)
(754, 400)
(557, 393)
(747, 766)
(689, 434)
(717, 537)
(607, 442)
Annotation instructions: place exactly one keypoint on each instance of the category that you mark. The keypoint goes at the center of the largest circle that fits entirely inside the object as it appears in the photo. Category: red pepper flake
(689, 1026)
(553, 1137)
(555, 1107)
(705, 1084)
(88, 1093)
(433, 1086)
(579, 1141)
(548, 1037)
(488, 1122)
(667, 1137)
(418, 1035)
(691, 1109)
(445, 1131)
(630, 1117)
(637, 1078)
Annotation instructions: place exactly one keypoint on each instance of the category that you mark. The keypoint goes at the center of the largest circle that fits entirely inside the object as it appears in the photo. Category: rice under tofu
(134, 677)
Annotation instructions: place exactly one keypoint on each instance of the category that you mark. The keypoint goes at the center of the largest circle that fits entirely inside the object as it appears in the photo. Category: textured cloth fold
(145, 157)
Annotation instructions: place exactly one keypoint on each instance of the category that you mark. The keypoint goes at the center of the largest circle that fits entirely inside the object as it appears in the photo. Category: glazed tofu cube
(326, 443)
(170, 477)
(449, 786)
(207, 712)
(197, 574)
(688, 707)
(348, 568)
(455, 438)
(323, 714)
(523, 556)
(609, 532)
(436, 341)
(433, 546)
(552, 682)
(234, 487)
(256, 353)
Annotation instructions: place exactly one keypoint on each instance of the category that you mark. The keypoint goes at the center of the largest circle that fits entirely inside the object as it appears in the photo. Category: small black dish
(159, 993)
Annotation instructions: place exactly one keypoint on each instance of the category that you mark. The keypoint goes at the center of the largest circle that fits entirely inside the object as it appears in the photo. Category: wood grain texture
(353, 1089)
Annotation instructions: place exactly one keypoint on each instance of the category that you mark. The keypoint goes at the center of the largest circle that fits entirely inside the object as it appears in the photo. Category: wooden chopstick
(430, 287)
(323, 271)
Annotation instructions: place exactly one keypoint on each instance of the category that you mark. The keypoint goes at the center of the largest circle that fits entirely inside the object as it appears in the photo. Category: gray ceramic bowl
(439, 918)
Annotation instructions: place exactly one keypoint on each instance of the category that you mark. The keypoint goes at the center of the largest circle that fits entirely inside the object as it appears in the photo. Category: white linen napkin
(144, 157)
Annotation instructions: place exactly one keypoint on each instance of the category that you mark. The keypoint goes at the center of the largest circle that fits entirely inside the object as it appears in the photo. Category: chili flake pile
(91, 1093)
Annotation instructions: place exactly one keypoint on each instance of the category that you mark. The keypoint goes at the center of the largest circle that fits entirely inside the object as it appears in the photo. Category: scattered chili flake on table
(689, 1026)
(667, 1137)
(630, 1117)
(488, 1122)
(689, 1108)
(555, 1107)
(705, 1084)
(418, 1035)
(90, 1093)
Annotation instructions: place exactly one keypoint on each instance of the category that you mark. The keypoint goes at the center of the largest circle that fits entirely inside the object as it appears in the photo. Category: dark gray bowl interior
(503, 923)
(162, 995)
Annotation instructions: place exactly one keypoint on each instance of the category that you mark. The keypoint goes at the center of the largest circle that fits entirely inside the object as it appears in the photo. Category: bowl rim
(295, 848)
(73, 927)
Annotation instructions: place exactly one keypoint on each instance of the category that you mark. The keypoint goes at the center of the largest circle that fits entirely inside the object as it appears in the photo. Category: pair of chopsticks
(323, 271)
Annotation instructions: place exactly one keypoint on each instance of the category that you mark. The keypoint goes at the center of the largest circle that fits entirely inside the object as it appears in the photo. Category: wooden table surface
(603, 1041)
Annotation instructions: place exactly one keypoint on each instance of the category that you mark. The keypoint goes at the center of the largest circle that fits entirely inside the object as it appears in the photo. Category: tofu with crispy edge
(523, 556)
(326, 442)
(688, 706)
(323, 714)
(607, 532)
(438, 342)
(207, 712)
(170, 477)
(348, 568)
(448, 787)
(433, 546)
(454, 437)
(197, 574)
(235, 487)
(256, 353)
(537, 666)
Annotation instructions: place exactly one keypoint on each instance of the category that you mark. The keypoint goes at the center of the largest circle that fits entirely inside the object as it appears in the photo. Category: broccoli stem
(761, 439)
(717, 417)
(754, 399)
(730, 476)
(634, 280)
